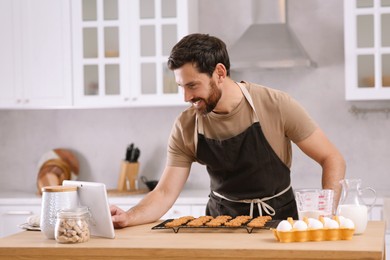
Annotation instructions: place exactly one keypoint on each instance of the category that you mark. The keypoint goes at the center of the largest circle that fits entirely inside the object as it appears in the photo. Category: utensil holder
(128, 176)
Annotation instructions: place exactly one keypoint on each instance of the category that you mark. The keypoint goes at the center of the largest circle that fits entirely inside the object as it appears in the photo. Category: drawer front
(12, 216)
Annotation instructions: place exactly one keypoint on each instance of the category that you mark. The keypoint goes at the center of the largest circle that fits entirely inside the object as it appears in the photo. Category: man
(242, 132)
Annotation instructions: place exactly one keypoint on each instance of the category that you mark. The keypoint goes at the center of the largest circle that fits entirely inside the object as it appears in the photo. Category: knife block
(128, 176)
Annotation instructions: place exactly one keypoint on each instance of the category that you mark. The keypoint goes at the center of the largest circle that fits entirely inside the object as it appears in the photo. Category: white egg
(331, 223)
(310, 220)
(326, 219)
(300, 225)
(315, 224)
(284, 225)
(347, 223)
(341, 218)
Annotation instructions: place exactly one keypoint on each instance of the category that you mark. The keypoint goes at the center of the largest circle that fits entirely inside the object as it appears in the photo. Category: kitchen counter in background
(12, 197)
(186, 196)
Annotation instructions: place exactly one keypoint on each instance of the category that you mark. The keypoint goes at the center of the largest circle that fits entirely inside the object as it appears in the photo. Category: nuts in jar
(72, 225)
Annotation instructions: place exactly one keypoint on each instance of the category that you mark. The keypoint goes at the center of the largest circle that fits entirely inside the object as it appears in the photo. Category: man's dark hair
(202, 50)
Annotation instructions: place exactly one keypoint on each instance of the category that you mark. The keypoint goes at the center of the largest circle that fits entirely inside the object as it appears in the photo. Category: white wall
(99, 137)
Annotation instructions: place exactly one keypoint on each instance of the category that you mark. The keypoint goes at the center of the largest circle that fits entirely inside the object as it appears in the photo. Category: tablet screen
(94, 196)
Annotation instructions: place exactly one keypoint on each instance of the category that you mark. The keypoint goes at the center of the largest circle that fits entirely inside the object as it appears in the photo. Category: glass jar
(55, 198)
(72, 225)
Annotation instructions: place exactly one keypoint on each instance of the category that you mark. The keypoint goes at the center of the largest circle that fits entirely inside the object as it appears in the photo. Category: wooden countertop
(141, 242)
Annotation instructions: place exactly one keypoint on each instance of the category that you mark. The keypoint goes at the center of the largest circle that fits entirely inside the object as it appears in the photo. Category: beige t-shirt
(281, 118)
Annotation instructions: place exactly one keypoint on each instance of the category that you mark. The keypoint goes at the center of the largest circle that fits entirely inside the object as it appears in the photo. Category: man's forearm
(333, 172)
(149, 209)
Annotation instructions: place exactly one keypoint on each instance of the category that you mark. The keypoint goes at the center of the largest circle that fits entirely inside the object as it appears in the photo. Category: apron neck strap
(196, 133)
(199, 120)
(250, 101)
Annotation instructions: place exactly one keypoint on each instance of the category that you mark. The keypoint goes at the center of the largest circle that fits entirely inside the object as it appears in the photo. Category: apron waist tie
(261, 204)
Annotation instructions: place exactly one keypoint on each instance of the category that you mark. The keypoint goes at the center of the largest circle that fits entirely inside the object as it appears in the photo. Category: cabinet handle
(26, 101)
(18, 212)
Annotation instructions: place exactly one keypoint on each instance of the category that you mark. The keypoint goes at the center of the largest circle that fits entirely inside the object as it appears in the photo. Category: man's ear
(220, 69)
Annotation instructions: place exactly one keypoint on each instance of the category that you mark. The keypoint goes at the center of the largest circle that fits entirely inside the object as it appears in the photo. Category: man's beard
(212, 100)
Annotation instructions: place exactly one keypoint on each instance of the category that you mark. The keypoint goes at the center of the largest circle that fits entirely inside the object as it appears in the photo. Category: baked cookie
(259, 221)
(238, 221)
(198, 222)
(178, 222)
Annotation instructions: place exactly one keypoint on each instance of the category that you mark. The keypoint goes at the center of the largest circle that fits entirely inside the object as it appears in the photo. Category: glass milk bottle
(54, 199)
(352, 205)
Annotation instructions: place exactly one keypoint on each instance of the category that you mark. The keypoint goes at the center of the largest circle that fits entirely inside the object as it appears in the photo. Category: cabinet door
(13, 216)
(161, 25)
(367, 49)
(100, 52)
(8, 45)
(46, 57)
(35, 51)
(120, 50)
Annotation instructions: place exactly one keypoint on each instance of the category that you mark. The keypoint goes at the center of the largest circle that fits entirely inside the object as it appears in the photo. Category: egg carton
(324, 234)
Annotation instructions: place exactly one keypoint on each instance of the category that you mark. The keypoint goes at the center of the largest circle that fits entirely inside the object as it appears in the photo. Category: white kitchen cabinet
(367, 49)
(387, 240)
(376, 213)
(177, 211)
(120, 49)
(16, 207)
(13, 216)
(198, 210)
(35, 50)
(180, 210)
(187, 204)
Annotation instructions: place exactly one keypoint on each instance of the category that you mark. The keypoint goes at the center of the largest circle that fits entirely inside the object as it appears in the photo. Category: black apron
(244, 172)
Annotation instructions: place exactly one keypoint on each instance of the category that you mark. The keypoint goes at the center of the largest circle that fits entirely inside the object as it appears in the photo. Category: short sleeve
(181, 149)
(298, 125)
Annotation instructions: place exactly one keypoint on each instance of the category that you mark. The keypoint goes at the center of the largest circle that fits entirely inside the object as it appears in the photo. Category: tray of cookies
(223, 221)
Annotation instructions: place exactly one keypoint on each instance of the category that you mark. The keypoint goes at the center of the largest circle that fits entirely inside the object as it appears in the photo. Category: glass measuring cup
(313, 203)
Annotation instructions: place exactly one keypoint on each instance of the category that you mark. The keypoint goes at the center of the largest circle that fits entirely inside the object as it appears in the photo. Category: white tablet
(94, 196)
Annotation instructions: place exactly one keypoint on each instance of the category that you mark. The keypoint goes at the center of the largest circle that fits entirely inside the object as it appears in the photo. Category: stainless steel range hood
(269, 43)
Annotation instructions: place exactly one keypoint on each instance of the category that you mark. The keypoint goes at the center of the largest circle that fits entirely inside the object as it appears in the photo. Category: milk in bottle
(352, 206)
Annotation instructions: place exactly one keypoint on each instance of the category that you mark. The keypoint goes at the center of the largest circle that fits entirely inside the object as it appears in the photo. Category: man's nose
(187, 95)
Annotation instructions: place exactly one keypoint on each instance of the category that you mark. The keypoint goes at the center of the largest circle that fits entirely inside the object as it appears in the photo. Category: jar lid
(73, 212)
(59, 188)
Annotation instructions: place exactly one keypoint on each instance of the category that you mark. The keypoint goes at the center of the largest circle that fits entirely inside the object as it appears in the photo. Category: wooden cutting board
(55, 166)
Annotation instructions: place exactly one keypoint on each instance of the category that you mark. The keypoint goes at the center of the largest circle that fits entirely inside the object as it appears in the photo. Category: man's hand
(155, 203)
(119, 217)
